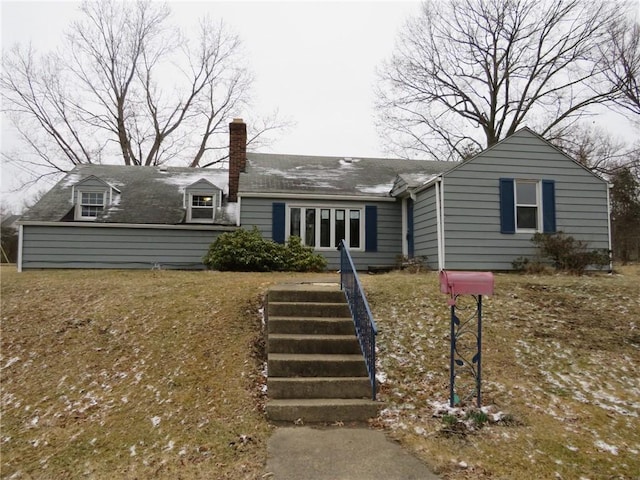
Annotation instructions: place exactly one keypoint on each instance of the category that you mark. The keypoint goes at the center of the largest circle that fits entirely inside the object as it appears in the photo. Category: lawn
(159, 374)
(561, 376)
(145, 374)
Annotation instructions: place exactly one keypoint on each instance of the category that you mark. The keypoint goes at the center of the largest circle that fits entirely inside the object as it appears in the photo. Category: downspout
(20, 233)
(238, 212)
(405, 228)
(439, 224)
(609, 187)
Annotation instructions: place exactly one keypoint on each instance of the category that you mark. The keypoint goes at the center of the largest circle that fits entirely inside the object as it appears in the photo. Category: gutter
(150, 226)
(334, 198)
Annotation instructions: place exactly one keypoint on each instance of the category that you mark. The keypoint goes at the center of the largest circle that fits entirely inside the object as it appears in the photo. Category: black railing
(363, 320)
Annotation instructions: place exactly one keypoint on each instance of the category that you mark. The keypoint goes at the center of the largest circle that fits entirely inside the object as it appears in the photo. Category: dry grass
(155, 375)
(561, 359)
(147, 374)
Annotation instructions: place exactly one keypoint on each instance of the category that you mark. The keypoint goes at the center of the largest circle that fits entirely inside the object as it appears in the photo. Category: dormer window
(202, 208)
(201, 199)
(91, 204)
(91, 197)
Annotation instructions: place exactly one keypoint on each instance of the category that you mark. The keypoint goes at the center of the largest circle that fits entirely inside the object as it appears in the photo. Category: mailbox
(466, 283)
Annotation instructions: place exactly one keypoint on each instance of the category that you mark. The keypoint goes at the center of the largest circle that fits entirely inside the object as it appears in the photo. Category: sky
(314, 62)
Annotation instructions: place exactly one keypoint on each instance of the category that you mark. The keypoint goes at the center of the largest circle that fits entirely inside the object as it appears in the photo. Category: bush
(247, 251)
(300, 258)
(568, 254)
(526, 265)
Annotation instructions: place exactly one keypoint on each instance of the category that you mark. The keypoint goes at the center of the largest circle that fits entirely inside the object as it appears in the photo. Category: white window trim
(332, 234)
(538, 205)
(78, 213)
(215, 204)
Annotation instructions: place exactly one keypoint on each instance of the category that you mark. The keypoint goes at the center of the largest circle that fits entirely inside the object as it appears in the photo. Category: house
(476, 215)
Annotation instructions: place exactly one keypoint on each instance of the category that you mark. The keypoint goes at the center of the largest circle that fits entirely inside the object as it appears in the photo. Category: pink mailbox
(469, 283)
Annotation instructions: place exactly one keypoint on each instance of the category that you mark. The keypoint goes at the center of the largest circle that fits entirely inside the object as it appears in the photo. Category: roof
(342, 176)
(9, 221)
(141, 195)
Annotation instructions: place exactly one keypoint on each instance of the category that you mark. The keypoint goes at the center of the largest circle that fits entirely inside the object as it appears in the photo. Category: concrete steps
(316, 372)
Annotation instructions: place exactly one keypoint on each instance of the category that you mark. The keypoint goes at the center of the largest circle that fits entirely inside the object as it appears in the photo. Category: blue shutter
(277, 222)
(371, 228)
(507, 206)
(548, 206)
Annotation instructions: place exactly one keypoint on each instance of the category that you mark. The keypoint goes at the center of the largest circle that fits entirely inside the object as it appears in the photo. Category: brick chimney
(237, 155)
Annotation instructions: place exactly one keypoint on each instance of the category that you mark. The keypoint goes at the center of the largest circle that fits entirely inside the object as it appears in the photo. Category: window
(526, 205)
(90, 205)
(201, 208)
(326, 227)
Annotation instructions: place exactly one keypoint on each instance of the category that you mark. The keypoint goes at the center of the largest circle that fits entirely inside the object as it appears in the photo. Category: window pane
(354, 228)
(294, 222)
(91, 211)
(325, 227)
(527, 217)
(201, 201)
(202, 213)
(92, 198)
(310, 227)
(526, 193)
(340, 227)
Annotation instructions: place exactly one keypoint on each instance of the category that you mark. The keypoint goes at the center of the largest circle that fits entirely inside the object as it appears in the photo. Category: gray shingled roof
(148, 195)
(274, 173)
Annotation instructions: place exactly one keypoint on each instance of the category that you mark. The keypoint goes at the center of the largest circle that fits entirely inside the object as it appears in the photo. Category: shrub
(568, 254)
(526, 265)
(412, 264)
(247, 251)
(301, 258)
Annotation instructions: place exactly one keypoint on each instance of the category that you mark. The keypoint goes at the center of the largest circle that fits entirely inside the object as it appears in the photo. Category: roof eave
(317, 196)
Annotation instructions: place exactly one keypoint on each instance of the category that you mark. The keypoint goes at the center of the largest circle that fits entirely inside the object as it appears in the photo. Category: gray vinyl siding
(258, 212)
(110, 247)
(472, 211)
(425, 231)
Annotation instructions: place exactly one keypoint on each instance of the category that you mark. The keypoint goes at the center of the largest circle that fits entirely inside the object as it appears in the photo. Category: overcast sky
(313, 61)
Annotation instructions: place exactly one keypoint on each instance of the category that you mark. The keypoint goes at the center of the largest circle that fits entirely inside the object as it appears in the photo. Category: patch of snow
(169, 446)
(132, 451)
(375, 189)
(415, 179)
(572, 448)
(71, 179)
(381, 376)
(604, 446)
(10, 362)
(231, 211)
(419, 430)
(155, 421)
(219, 178)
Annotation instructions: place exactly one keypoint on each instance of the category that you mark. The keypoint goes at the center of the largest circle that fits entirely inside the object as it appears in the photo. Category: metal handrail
(365, 326)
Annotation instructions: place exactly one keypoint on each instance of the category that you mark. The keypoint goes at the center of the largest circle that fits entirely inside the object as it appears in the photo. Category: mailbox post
(466, 358)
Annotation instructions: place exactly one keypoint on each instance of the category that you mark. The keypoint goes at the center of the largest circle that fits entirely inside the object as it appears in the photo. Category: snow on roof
(218, 178)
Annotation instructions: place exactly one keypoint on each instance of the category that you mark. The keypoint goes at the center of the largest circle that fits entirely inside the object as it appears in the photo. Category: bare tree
(598, 150)
(130, 86)
(623, 64)
(467, 73)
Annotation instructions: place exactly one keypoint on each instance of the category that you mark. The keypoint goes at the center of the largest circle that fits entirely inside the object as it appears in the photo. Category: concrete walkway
(339, 453)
